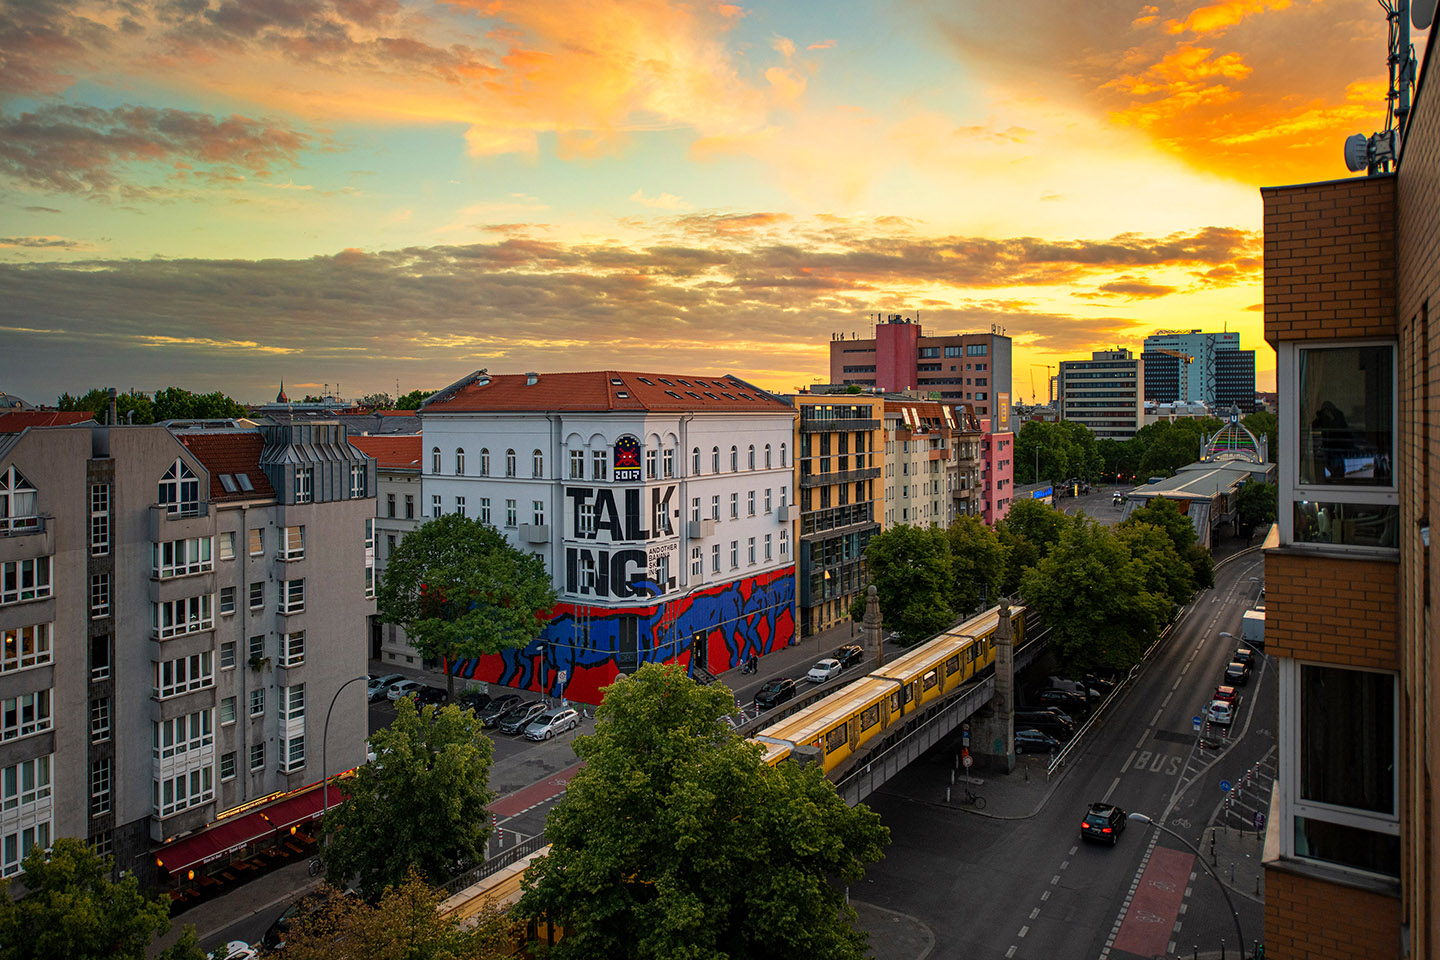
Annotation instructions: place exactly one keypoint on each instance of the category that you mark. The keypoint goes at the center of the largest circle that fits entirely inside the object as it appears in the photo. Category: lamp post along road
(325, 743)
(1141, 818)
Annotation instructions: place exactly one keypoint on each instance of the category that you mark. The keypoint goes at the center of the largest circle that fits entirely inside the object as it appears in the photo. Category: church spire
(280, 397)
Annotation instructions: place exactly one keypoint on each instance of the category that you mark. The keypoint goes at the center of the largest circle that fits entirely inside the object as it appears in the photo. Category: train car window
(991, 640)
(895, 701)
(930, 679)
(952, 664)
(909, 692)
(870, 717)
(836, 739)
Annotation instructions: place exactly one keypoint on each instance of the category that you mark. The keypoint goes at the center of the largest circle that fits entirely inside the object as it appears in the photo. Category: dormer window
(19, 502)
(180, 491)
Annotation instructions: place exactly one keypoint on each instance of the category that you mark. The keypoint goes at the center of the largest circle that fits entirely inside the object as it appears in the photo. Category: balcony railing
(19, 526)
(839, 476)
(837, 426)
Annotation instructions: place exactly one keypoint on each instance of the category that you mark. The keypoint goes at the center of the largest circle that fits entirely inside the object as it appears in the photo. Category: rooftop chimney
(113, 418)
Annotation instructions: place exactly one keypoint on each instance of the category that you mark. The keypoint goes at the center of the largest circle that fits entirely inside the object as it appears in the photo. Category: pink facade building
(997, 475)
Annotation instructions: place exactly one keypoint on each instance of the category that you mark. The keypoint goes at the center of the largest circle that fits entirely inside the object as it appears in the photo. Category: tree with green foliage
(911, 570)
(1066, 449)
(413, 399)
(173, 403)
(1164, 514)
(1263, 423)
(376, 401)
(977, 559)
(1161, 568)
(460, 589)
(97, 402)
(1119, 459)
(404, 924)
(1093, 595)
(675, 840)
(1165, 446)
(72, 910)
(419, 806)
(1027, 533)
(1258, 505)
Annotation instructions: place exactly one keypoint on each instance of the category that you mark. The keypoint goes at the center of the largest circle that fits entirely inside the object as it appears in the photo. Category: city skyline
(363, 192)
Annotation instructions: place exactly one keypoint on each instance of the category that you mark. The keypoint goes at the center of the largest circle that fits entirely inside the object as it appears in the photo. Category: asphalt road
(1023, 888)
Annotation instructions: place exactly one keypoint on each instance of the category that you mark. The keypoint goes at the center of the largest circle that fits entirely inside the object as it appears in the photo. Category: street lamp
(1141, 818)
(325, 743)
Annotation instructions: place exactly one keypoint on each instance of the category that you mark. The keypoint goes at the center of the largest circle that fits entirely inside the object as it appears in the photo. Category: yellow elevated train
(839, 725)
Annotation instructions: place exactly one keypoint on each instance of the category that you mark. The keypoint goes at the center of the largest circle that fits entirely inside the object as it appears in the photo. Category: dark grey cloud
(39, 242)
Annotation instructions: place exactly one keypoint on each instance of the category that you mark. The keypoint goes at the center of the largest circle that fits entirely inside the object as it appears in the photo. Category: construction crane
(1050, 381)
(1184, 377)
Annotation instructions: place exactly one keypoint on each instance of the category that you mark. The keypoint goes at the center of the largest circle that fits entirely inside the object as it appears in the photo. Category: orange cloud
(1219, 16)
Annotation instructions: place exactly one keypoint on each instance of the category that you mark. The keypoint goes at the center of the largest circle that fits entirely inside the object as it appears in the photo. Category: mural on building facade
(586, 647)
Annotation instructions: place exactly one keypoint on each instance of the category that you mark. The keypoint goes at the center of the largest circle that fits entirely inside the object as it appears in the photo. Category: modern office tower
(1104, 393)
(1193, 366)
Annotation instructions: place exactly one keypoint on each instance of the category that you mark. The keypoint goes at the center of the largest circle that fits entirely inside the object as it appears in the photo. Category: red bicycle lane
(535, 794)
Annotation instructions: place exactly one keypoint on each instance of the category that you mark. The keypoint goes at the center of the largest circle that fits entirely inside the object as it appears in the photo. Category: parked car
(849, 655)
(379, 686)
(518, 718)
(234, 950)
(1244, 655)
(1034, 741)
(1045, 723)
(1048, 709)
(403, 689)
(1237, 673)
(497, 708)
(827, 669)
(1074, 686)
(1104, 822)
(775, 691)
(1062, 698)
(551, 723)
(1220, 713)
(430, 695)
(473, 700)
(1098, 684)
(1229, 694)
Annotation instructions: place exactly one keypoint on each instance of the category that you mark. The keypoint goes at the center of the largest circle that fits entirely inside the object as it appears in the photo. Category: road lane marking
(1055, 879)
(1045, 896)
(1064, 864)
(1106, 799)
(1011, 951)
(1074, 849)
(1034, 913)
(1024, 930)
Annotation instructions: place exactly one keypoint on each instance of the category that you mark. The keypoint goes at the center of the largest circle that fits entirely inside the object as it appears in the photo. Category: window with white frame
(577, 464)
(1342, 788)
(537, 512)
(227, 601)
(19, 502)
(484, 509)
(358, 474)
(25, 783)
(784, 544)
(257, 755)
(750, 550)
(652, 464)
(459, 462)
(227, 711)
(667, 463)
(510, 463)
(100, 720)
(484, 461)
(695, 509)
(189, 733)
(227, 766)
(768, 555)
(257, 647)
(227, 545)
(695, 461)
(734, 505)
(1337, 473)
(390, 505)
(783, 461)
(409, 506)
(99, 595)
(750, 502)
(174, 618)
(585, 519)
(16, 845)
(24, 715)
(734, 554)
(292, 649)
(179, 558)
(101, 777)
(767, 499)
(257, 594)
(292, 543)
(511, 513)
(460, 506)
(304, 484)
(99, 519)
(435, 460)
(714, 459)
(715, 558)
(292, 704)
(292, 596)
(190, 789)
(435, 508)
(179, 491)
(715, 506)
(184, 674)
(294, 754)
(751, 459)
(257, 541)
(662, 517)
(537, 464)
(24, 647)
(767, 456)
(697, 562)
(227, 655)
(257, 701)
(25, 580)
(587, 573)
(734, 459)
(599, 464)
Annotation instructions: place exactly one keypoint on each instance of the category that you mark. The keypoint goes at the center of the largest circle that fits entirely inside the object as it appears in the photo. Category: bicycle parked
(972, 799)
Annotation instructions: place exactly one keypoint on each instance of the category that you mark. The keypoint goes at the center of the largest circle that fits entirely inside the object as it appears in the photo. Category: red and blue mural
(589, 645)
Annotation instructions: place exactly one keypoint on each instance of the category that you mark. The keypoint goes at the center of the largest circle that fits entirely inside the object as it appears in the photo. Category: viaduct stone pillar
(874, 648)
(992, 730)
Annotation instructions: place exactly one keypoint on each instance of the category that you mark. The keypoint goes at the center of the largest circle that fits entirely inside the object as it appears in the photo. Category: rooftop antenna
(1379, 152)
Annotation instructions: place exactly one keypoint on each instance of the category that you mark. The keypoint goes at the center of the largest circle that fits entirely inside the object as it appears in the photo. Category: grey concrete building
(178, 609)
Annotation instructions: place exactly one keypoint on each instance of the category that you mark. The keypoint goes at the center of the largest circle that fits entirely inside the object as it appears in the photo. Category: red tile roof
(231, 453)
(17, 420)
(605, 390)
(392, 451)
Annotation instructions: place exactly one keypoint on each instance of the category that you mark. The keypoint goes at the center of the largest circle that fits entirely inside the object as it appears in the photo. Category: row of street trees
(1105, 593)
(171, 403)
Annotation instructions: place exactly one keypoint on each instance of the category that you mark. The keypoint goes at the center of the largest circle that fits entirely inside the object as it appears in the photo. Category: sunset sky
(220, 194)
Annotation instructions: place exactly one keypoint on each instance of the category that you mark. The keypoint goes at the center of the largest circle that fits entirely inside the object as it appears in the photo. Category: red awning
(230, 835)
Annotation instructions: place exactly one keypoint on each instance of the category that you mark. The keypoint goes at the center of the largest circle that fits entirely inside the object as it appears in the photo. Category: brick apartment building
(1352, 859)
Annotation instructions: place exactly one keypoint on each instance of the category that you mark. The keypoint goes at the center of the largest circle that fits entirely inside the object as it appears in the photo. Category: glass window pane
(1347, 738)
(1354, 524)
(1346, 415)
(1349, 846)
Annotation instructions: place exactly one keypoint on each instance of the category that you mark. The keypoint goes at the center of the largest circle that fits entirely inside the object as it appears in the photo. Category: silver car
(550, 723)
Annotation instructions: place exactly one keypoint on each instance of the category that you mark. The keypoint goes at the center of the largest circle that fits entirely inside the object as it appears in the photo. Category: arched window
(782, 455)
(695, 455)
(537, 464)
(459, 461)
(180, 490)
(767, 456)
(752, 456)
(509, 463)
(714, 459)
(734, 459)
(19, 502)
(484, 461)
(434, 459)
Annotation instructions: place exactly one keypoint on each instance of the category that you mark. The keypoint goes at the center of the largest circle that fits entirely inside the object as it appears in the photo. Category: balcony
(839, 476)
(195, 521)
(787, 513)
(837, 426)
(534, 533)
(697, 529)
(25, 538)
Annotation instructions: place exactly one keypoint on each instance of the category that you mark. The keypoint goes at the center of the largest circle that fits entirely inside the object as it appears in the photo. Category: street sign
(1196, 721)
(1259, 821)
(1224, 786)
(562, 676)
(967, 760)
(965, 737)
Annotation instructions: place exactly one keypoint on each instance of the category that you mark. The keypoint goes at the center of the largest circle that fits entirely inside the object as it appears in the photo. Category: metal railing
(494, 864)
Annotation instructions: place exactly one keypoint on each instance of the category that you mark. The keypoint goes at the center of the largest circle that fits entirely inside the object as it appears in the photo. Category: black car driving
(1104, 822)
(775, 691)
(849, 655)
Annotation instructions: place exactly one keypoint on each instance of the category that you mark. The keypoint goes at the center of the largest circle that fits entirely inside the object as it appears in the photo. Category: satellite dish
(1357, 152)
(1421, 13)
